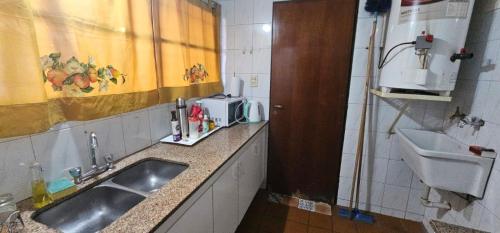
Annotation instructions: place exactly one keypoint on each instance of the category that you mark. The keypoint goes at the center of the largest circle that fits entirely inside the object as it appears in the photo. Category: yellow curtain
(66, 60)
(187, 42)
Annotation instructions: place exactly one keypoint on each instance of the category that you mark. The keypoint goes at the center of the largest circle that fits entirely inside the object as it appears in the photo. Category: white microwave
(224, 111)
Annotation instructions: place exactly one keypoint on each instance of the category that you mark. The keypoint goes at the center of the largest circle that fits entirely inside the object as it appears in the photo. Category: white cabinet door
(262, 152)
(249, 178)
(198, 218)
(226, 201)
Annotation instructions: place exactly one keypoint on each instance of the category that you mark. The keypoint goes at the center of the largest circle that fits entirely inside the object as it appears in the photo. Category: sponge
(60, 188)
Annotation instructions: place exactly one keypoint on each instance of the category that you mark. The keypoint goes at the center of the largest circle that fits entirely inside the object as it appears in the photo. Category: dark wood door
(312, 50)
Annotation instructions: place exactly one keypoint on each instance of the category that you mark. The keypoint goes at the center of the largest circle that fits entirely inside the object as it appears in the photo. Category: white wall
(477, 94)
(246, 46)
(66, 145)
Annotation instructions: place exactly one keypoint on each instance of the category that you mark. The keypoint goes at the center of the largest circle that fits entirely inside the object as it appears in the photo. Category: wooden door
(312, 50)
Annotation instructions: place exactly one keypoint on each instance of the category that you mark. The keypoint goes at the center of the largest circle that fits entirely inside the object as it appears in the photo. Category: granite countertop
(203, 160)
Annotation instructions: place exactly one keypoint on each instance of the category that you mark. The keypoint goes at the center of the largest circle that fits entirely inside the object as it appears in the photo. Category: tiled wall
(66, 146)
(388, 186)
(478, 94)
(246, 46)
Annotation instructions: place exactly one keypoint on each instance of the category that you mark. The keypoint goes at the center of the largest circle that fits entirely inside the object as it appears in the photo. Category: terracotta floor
(266, 217)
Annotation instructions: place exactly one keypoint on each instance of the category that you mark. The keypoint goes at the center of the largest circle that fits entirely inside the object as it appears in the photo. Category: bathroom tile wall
(388, 185)
(478, 94)
(66, 145)
(246, 47)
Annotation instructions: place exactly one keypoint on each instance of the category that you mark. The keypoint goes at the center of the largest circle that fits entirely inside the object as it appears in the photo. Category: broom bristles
(378, 6)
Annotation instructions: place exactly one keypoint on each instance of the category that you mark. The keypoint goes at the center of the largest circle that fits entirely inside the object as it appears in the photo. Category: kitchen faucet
(95, 170)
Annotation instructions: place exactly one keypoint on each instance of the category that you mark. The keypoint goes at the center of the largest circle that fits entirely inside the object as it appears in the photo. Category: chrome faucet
(464, 120)
(95, 170)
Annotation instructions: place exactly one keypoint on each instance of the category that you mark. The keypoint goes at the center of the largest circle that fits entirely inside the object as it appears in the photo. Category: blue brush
(378, 6)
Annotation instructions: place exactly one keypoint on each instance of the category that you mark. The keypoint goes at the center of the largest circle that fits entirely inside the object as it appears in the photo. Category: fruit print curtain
(186, 38)
(63, 60)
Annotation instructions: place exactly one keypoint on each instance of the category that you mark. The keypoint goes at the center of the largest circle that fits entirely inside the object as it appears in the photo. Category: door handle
(278, 106)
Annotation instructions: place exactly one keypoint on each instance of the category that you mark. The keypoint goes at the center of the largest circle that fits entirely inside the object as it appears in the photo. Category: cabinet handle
(278, 106)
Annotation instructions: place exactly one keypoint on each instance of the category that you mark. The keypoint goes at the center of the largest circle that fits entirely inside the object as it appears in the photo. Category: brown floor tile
(317, 230)
(343, 225)
(368, 228)
(277, 211)
(389, 224)
(272, 225)
(320, 220)
(298, 215)
(414, 227)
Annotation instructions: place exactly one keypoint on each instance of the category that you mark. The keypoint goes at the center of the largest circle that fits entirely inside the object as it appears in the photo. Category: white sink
(444, 163)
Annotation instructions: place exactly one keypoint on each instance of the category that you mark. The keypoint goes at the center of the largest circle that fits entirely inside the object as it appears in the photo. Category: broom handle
(361, 135)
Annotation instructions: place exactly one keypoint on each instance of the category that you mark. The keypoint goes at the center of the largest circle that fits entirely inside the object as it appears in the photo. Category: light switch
(254, 81)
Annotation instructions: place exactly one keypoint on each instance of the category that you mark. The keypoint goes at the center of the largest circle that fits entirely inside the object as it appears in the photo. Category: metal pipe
(425, 200)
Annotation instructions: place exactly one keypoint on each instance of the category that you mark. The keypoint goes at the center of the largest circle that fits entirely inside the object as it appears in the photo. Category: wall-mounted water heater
(424, 45)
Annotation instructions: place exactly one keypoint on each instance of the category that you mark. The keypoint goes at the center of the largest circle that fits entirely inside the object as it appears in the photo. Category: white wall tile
(136, 131)
(398, 173)
(227, 12)
(414, 205)
(159, 121)
(262, 11)
(243, 37)
(371, 192)
(243, 11)
(15, 176)
(109, 133)
(261, 61)
(228, 58)
(243, 60)
(263, 88)
(374, 169)
(489, 222)
(262, 36)
(395, 197)
(347, 165)
(58, 151)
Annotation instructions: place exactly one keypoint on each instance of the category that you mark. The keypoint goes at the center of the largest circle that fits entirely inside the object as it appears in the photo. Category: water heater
(427, 38)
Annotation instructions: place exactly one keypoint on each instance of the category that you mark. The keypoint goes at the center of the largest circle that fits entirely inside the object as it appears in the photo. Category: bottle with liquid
(176, 128)
(40, 195)
(206, 124)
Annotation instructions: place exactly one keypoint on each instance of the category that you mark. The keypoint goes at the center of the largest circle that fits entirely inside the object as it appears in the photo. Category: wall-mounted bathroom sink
(443, 162)
(97, 207)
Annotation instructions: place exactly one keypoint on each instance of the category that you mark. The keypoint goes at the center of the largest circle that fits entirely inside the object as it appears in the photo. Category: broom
(373, 6)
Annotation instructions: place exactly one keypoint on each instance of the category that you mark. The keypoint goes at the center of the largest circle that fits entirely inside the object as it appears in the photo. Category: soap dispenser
(40, 195)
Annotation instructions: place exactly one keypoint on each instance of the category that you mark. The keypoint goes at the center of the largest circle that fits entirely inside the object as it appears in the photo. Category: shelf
(410, 96)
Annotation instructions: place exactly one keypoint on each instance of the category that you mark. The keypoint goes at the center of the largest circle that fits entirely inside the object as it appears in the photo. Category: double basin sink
(98, 206)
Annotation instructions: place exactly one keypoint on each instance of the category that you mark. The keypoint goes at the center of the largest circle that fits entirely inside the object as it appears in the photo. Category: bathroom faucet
(475, 122)
(95, 170)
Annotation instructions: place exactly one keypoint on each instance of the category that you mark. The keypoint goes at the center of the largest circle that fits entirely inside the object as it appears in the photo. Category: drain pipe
(425, 200)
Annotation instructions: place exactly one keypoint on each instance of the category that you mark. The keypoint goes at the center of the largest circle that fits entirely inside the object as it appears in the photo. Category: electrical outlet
(254, 81)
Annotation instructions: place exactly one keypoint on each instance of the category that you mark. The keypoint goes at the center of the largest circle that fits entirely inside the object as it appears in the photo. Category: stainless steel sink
(148, 176)
(97, 207)
(89, 211)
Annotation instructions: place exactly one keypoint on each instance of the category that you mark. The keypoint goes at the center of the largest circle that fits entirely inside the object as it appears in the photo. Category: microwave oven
(224, 111)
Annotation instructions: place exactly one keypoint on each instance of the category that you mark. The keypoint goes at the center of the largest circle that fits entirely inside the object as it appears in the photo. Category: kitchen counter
(203, 160)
